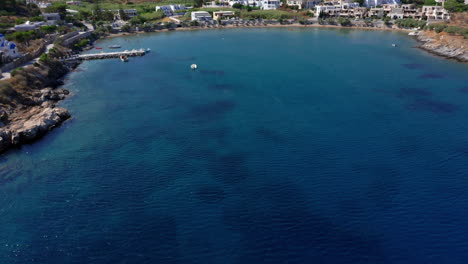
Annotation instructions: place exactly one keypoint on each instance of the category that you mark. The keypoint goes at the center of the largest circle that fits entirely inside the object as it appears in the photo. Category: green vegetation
(58, 7)
(49, 29)
(153, 16)
(81, 44)
(456, 6)
(344, 21)
(430, 2)
(439, 27)
(23, 36)
(410, 23)
(267, 14)
(442, 27)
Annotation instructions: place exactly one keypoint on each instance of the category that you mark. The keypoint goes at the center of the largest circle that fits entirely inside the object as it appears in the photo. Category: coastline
(445, 46)
(32, 109)
(30, 120)
(114, 35)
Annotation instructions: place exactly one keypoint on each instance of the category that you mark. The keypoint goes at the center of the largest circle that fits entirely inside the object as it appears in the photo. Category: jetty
(108, 55)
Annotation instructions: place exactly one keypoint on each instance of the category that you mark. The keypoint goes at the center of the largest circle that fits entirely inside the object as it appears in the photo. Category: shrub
(344, 21)
(16, 71)
(126, 28)
(409, 23)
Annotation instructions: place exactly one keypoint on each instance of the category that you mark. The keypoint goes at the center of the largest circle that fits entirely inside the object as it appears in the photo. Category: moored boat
(124, 58)
(114, 47)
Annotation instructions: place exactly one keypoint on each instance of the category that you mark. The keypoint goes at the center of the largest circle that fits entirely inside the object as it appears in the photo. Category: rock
(31, 125)
(433, 45)
(3, 115)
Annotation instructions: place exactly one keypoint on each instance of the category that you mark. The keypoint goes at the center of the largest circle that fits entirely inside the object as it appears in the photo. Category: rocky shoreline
(32, 112)
(444, 45)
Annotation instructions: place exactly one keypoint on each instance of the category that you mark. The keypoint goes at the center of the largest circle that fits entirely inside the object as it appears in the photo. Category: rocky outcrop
(30, 124)
(444, 45)
(28, 104)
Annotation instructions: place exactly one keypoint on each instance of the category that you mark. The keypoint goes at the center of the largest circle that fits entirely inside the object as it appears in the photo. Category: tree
(199, 3)
(58, 7)
(429, 2)
(455, 6)
(49, 29)
(8, 5)
(126, 28)
(361, 2)
(84, 15)
(122, 15)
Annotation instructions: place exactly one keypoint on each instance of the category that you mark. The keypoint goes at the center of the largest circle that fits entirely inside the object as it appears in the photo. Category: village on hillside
(29, 28)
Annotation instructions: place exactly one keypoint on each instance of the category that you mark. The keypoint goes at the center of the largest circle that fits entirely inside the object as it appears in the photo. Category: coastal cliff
(442, 44)
(28, 103)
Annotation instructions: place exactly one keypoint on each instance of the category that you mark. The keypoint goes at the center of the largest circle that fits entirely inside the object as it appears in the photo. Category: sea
(298, 145)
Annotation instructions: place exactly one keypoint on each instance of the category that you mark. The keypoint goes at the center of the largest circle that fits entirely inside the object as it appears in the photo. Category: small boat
(114, 47)
(394, 45)
(148, 50)
(193, 66)
(124, 58)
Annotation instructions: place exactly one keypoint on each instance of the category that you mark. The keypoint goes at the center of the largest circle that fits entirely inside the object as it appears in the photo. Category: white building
(375, 3)
(306, 4)
(8, 48)
(435, 13)
(270, 4)
(29, 26)
(172, 10)
(201, 16)
(51, 18)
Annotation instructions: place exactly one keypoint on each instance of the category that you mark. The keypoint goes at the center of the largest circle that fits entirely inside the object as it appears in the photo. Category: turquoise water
(285, 146)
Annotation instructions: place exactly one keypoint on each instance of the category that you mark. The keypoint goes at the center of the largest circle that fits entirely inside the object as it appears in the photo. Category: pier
(108, 55)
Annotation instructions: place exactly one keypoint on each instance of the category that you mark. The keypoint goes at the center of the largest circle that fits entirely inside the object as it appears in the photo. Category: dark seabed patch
(210, 194)
(412, 92)
(212, 72)
(210, 111)
(218, 133)
(298, 233)
(230, 169)
(185, 58)
(432, 106)
(224, 87)
(463, 90)
(413, 66)
(269, 134)
(431, 76)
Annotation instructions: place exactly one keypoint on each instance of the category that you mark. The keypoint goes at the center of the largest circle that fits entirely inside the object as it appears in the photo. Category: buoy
(193, 66)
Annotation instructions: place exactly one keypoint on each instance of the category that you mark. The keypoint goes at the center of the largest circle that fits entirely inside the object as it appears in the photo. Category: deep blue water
(285, 146)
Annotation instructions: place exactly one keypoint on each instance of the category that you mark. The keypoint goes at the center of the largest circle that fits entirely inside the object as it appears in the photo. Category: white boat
(394, 45)
(124, 58)
(413, 33)
(193, 66)
(114, 47)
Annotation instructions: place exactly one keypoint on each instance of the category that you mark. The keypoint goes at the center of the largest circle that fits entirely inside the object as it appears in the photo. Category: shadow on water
(210, 194)
(463, 90)
(210, 111)
(269, 135)
(431, 76)
(432, 106)
(223, 87)
(412, 92)
(298, 233)
(212, 72)
(383, 183)
(413, 66)
(230, 168)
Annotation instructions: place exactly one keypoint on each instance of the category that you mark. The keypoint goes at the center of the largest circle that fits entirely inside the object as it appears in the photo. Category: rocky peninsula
(28, 103)
(445, 45)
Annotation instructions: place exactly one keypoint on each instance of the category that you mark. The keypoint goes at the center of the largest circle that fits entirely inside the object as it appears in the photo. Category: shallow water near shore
(285, 146)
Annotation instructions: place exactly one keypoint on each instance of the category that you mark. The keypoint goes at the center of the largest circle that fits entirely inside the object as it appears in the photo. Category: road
(7, 75)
